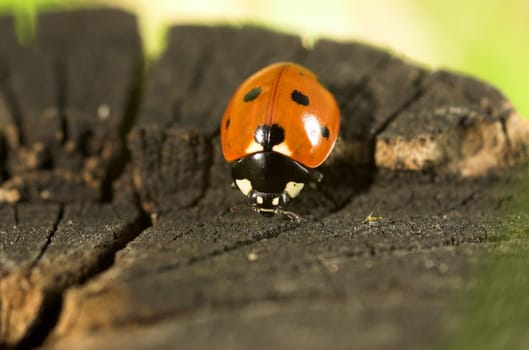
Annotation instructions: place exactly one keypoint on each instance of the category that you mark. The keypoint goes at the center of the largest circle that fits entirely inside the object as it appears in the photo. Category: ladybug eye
(252, 94)
(299, 98)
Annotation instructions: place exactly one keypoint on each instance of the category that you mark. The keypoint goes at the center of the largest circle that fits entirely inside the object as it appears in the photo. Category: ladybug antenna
(289, 214)
(316, 176)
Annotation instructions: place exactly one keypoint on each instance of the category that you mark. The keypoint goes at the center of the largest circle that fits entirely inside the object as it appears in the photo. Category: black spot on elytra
(299, 98)
(269, 136)
(227, 123)
(325, 132)
(252, 94)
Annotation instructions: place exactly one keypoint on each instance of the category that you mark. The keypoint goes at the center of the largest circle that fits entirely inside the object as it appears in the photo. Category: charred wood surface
(119, 228)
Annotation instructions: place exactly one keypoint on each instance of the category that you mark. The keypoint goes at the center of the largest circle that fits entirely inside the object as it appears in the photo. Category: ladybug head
(267, 204)
(270, 180)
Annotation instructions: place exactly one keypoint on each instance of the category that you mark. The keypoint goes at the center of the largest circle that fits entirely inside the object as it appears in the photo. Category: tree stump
(120, 230)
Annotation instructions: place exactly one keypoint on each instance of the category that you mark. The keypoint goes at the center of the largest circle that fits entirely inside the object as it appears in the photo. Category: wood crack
(61, 88)
(123, 157)
(197, 77)
(463, 202)
(15, 214)
(420, 90)
(271, 234)
(505, 131)
(51, 307)
(207, 169)
(49, 238)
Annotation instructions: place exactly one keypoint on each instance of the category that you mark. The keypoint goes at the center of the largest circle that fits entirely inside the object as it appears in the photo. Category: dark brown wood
(198, 73)
(461, 126)
(414, 196)
(172, 167)
(64, 113)
(48, 249)
(70, 100)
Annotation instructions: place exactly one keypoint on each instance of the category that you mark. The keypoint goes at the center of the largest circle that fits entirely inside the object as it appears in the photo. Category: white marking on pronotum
(253, 148)
(283, 149)
(293, 188)
(259, 200)
(275, 201)
(244, 185)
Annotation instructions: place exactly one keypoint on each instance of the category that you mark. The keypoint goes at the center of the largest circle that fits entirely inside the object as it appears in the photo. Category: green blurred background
(486, 39)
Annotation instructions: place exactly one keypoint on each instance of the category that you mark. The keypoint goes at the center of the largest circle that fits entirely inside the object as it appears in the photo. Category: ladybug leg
(316, 176)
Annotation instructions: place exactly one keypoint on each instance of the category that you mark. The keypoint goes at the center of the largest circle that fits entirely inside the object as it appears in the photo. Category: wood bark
(120, 230)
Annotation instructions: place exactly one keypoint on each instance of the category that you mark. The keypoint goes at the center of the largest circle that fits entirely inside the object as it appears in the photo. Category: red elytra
(285, 97)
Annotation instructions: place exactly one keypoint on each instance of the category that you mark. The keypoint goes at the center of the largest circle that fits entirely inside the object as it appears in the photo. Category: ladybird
(280, 124)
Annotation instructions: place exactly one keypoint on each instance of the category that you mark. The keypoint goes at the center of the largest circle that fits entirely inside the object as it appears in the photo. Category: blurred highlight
(489, 40)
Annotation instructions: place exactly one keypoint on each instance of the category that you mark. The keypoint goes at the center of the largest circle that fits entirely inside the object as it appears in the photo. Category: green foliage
(494, 314)
(487, 39)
